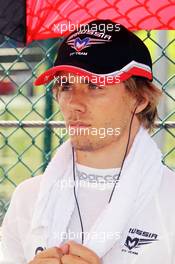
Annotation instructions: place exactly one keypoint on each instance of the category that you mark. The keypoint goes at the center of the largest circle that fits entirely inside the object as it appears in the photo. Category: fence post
(48, 111)
(161, 72)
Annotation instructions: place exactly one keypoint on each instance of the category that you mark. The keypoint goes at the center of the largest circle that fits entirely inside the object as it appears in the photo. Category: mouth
(78, 124)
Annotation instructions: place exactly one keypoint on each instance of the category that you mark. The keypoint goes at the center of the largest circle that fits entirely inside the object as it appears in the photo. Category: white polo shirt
(149, 238)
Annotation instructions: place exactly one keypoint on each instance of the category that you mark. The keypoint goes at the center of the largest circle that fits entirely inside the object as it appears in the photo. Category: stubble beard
(91, 144)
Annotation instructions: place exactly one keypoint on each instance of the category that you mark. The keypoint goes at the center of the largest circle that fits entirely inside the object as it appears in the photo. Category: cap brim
(115, 77)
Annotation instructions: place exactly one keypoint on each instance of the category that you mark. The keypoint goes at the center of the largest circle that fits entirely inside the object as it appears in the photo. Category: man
(105, 197)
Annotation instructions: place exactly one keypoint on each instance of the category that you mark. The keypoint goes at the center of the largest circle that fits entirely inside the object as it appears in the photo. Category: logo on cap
(80, 44)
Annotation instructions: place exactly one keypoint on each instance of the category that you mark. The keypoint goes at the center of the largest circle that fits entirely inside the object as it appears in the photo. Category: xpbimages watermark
(90, 181)
(100, 236)
(85, 28)
(95, 79)
(102, 132)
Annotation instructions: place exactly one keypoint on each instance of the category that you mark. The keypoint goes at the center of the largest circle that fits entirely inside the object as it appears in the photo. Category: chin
(82, 144)
(89, 144)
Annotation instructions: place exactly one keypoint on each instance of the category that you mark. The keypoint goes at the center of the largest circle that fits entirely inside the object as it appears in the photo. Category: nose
(77, 102)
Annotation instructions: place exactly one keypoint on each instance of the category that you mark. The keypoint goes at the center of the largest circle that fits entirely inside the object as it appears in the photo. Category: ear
(142, 104)
(55, 91)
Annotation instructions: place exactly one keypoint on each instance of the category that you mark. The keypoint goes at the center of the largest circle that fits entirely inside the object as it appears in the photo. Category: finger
(50, 253)
(46, 261)
(72, 259)
(65, 249)
(82, 251)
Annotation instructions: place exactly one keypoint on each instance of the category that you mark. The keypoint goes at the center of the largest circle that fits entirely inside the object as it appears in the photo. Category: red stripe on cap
(52, 73)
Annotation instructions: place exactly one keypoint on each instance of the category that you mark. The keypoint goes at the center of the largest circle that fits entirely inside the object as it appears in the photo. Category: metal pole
(160, 70)
(48, 110)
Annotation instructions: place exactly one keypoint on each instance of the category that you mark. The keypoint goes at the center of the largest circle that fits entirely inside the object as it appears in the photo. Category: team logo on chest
(136, 239)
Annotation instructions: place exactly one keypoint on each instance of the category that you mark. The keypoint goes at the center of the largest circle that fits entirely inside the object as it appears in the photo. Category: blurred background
(29, 134)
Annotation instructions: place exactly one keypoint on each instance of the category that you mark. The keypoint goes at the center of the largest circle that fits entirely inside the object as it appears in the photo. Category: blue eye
(94, 87)
(65, 88)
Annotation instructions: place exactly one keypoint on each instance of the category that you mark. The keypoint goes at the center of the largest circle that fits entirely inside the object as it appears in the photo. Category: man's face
(95, 115)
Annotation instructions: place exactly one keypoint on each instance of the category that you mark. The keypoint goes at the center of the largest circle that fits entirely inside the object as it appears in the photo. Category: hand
(78, 254)
(50, 256)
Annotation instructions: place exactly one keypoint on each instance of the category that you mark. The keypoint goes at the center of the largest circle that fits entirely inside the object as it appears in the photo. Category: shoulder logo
(136, 242)
(80, 44)
(137, 238)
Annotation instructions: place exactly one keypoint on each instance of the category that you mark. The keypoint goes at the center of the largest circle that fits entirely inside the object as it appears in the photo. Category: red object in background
(6, 88)
(28, 20)
(45, 18)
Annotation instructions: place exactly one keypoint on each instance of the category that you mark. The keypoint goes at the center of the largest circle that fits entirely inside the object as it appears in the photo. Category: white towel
(140, 178)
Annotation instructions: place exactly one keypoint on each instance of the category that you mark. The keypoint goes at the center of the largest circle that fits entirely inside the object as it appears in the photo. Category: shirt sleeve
(11, 246)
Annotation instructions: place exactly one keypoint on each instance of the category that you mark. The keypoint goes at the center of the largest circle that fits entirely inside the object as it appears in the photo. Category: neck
(110, 156)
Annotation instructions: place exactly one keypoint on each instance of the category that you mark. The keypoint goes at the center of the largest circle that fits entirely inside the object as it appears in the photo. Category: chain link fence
(30, 119)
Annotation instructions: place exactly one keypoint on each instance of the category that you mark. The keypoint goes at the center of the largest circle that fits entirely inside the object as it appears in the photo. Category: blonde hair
(138, 87)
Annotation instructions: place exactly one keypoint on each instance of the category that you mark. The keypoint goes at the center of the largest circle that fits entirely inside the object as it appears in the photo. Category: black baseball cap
(101, 48)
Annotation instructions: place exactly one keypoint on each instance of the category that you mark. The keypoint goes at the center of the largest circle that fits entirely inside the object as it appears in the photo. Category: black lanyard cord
(129, 135)
(76, 200)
